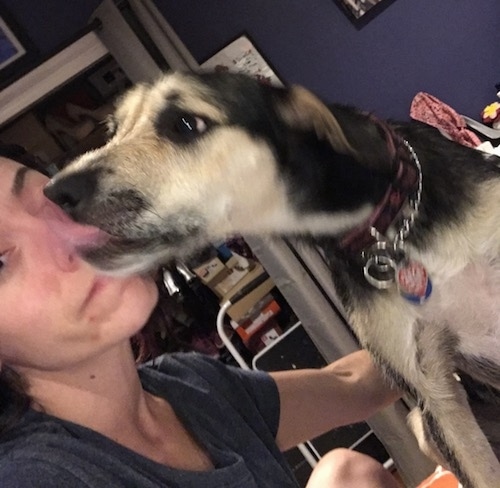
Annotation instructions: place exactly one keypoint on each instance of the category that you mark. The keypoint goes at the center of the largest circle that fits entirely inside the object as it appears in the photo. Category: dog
(407, 219)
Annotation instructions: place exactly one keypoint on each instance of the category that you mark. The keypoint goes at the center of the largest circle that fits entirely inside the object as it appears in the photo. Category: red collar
(404, 184)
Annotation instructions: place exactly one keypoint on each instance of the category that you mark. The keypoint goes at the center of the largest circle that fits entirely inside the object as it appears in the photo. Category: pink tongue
(73, 234)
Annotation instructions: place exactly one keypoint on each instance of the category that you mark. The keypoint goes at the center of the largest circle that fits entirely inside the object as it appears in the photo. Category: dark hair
(160, 334)
(14, 400)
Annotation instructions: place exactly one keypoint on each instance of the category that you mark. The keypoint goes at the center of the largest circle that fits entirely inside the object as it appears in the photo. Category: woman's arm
(313, 401)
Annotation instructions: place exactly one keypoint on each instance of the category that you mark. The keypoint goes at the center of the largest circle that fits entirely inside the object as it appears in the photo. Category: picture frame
(11, 48)
(361, 12)
(242, 56)
(358, 8)
(16, 50)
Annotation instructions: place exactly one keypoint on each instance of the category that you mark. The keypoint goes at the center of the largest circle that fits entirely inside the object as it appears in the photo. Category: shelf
(50, 75)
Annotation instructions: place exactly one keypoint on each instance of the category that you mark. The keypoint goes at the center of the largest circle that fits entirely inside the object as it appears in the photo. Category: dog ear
(347, 130)
(302, 110)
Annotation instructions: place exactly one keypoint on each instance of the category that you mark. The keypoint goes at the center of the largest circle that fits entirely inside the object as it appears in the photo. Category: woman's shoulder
(203, 371)
(191, 360)
(35, 453)
(23, 472)
(180, 361)
(195, 378)
(42, 450)
(190, 381)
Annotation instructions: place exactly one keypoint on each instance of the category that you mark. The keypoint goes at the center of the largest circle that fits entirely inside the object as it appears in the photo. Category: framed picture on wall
(241, 56)
(362, 11)
(15, 48)
(358, 8)
(11, 48)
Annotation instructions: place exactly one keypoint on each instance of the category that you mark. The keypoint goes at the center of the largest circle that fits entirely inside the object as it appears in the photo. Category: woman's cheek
(129, 309)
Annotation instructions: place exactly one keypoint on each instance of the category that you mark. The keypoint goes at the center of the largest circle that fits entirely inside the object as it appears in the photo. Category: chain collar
(380, 254)
(384, 257)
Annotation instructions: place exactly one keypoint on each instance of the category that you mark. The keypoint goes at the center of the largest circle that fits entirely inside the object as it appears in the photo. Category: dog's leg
(419, 356)
(446, 413)
(483, 398)
(424, 439)
(481, 369)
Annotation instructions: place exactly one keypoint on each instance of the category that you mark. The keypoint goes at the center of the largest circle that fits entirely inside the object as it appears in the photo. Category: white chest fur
(468, 302)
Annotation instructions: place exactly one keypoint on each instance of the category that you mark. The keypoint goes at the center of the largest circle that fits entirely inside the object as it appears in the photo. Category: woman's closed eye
(27, 189)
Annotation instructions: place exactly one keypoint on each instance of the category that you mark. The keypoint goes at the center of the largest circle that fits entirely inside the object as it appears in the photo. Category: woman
(76, 412)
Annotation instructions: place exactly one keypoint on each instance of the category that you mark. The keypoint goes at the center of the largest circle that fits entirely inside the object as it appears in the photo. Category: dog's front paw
(424, 440)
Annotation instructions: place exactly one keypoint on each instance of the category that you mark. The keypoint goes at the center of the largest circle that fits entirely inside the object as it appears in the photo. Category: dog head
(194, 158)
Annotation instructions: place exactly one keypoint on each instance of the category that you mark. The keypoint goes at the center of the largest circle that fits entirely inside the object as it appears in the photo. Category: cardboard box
(212, 272)
(220, 277)
(270, 335)
(242, 307)
(230, 281)
(259, 328)
(253, 322)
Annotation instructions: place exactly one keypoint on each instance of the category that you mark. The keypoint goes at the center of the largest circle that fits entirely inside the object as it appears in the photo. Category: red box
(258, 326)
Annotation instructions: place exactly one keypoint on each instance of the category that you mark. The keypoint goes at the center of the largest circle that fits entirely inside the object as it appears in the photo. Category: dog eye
(190, 125)
(181, 127)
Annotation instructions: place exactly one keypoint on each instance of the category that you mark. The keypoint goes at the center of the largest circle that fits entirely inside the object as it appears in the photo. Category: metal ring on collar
(382, 263)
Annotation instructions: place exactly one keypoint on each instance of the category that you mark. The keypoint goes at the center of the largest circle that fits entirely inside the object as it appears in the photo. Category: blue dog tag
(413, 282)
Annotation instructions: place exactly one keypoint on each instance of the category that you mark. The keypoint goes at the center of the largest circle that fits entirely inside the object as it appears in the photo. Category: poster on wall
(11, 48)
(358, 8)
(16, 50)
(241, 56)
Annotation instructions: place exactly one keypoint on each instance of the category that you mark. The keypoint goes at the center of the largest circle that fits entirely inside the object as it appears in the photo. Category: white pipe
(225, 339)
(239, 359)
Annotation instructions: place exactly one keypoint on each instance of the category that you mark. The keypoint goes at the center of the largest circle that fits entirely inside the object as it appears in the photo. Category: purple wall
(449, 48)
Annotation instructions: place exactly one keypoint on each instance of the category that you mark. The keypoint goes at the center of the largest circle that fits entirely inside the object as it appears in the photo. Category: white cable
(225, 339)
(239, 359)
(312, 461)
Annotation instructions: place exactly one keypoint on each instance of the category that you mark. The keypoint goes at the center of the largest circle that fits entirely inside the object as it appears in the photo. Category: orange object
(441, 478)
(259, 327)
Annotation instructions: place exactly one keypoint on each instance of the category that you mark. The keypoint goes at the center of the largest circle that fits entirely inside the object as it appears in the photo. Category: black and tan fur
(195, 158)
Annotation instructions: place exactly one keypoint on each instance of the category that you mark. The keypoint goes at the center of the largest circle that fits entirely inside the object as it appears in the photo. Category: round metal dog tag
(413, 282)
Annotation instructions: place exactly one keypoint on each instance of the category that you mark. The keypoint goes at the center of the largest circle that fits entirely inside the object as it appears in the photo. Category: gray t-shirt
(233, 413)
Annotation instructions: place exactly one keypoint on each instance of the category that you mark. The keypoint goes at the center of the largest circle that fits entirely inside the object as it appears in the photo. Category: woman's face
(56, 309)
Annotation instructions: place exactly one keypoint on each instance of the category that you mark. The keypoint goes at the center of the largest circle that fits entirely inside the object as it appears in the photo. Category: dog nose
(73, 191)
